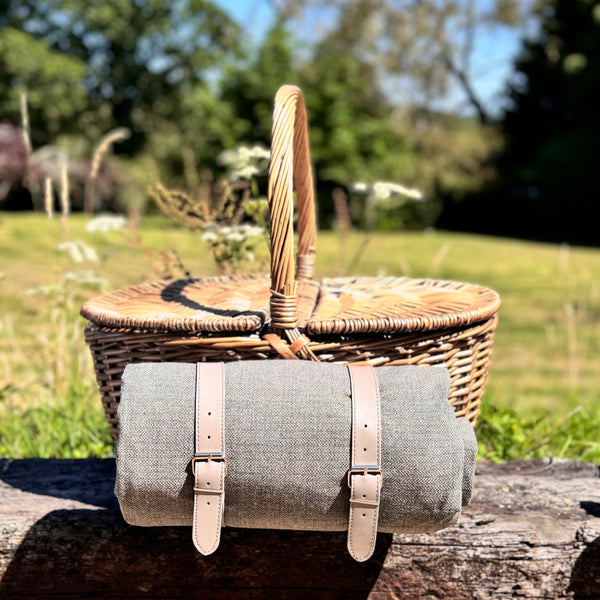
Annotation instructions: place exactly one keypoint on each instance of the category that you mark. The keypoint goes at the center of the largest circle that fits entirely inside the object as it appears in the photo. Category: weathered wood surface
(532, 531)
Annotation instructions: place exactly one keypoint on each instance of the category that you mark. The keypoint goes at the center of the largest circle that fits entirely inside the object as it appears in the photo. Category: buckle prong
(364, 470)
(208, 457)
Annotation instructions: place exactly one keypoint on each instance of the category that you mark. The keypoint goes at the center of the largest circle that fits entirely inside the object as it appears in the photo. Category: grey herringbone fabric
(287, 441)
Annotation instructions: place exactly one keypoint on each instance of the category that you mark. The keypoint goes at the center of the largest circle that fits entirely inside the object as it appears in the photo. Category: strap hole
(209, 437)
(364, 449)
(211, 414)
(364, 515)
(208, 483)
(365, 425)
(208, 504)
(364, 495)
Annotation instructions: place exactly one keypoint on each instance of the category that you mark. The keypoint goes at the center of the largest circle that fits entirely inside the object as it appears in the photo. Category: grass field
(543, 393)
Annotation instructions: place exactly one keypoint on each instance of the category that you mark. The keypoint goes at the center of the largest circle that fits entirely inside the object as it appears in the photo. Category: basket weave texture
(286, 315)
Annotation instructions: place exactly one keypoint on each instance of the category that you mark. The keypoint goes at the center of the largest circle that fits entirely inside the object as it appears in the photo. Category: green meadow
(543, 392)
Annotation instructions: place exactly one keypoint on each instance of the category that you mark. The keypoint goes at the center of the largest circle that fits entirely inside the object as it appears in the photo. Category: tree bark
(532, 531)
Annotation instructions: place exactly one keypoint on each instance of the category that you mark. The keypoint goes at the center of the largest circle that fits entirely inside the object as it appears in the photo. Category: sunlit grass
(546, 353)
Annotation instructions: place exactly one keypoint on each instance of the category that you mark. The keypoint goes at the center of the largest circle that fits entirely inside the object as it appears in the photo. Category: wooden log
(532, 531)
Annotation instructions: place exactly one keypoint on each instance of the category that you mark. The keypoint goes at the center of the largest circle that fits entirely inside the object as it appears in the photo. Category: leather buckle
(365, 470)
(208, 457)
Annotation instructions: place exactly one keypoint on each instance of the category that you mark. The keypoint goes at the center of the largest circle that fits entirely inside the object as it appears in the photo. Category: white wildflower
(260, 152)
(79, 251)
(210, 236)
(227, 157)
(235, 236)
(244, 154)
(244, 162)
(104, 223)
(86, 278)
(250, 256)
(89, 253)
(73, 250)
(252, 230)
(381, 190)
(244, 172)
(404, 191)
(224, 230)
(359, 186)
(45, 290)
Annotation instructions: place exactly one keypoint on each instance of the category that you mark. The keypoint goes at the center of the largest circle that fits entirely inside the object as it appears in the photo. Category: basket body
(465, 349)
(286, 315)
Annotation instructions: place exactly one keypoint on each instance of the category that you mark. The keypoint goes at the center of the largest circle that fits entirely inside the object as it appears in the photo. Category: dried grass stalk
(65, 204)
(343, 220)
(112, 137)
(25, 121)
(48, 197)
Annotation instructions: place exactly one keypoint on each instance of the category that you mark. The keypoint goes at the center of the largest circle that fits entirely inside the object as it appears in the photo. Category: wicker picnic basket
(287, 315)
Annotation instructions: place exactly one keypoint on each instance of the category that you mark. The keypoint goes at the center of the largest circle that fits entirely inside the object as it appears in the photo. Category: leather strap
(209, 465)
(364, 477)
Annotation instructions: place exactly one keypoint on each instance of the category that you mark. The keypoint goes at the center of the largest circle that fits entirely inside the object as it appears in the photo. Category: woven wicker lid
(337, 306)
(395, 304)
(236, 304)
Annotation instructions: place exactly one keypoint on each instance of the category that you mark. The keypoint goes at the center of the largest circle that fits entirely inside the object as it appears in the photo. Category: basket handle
(290, 168)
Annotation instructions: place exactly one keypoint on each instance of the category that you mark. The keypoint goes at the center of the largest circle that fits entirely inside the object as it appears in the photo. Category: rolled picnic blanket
(287, 429)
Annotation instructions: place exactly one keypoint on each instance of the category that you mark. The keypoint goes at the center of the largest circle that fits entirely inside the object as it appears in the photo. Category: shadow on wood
(89, 554)
(532, 531)
(86, 552)
(585, 578)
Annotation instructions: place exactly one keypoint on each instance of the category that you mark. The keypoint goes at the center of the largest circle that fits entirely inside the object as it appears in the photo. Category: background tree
(249, 86)
(142, 61)
(50, 81)
(418, 49)
(550, 181)
(352, 130)
(553, 126)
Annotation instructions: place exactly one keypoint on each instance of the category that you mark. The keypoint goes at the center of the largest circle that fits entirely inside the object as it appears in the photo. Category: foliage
(504, 435)
(551, 127)
(549, 181)
(249, 86)
(47, 405)
(218, 208)
(232, 246)
(203, 205)
(183, 77)
(136, 62)
(53, 80)
(176, 97)
(13, 158)
(351, 127)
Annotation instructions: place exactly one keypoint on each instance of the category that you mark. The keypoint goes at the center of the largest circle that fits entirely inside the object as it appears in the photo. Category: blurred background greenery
(186, 76)
(138, 106)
